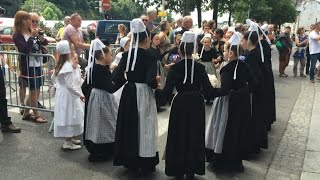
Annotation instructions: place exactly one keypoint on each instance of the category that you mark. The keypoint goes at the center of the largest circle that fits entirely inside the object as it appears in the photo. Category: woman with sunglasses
(28, 39)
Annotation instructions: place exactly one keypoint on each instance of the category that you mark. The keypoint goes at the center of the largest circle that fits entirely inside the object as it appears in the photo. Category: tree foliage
(39, 6)
(273, 11)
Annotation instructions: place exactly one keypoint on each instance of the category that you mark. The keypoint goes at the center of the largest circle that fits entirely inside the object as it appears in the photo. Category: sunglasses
(35, 21)
(144, 19)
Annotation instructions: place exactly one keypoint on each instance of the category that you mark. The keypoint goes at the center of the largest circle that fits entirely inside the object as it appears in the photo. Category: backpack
(279, 45)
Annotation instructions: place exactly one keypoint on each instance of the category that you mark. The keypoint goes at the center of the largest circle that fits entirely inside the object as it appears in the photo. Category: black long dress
(101, 79)
(257, 130)
(186, 133)
(126, 151)
(238, 115)
(270, 89)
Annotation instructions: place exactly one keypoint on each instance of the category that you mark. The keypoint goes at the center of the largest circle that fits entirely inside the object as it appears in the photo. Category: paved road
(35, 154)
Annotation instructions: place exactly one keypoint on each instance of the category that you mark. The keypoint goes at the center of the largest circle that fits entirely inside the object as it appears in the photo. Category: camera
(41, 32)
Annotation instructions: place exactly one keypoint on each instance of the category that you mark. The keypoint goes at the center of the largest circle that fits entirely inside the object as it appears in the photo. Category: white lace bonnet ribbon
(235, 40)
(255, 27)
(188, 37)
(205, 36)
(136, 26)
(94, 46)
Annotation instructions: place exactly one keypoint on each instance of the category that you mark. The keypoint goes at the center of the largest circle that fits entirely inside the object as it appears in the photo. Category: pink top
(69, 31)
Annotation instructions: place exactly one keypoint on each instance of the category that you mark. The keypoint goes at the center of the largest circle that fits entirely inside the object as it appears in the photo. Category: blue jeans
(313, 62)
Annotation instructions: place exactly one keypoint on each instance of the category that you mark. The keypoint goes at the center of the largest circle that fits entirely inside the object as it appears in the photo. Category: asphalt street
(36, 154)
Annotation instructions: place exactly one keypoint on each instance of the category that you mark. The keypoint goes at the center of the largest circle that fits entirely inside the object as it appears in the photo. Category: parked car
(107, 30)
(6, 36)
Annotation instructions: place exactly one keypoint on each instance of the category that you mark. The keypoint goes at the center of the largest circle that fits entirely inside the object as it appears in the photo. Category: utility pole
(164, 5)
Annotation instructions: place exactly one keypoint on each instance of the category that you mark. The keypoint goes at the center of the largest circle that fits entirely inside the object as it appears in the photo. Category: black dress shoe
(11, 128)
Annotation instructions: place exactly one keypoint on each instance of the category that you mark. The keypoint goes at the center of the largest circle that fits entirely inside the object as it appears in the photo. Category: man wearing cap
(285, 51)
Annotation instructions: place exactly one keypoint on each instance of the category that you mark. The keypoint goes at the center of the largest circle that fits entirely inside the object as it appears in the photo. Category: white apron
(148, 124)
(217, 124)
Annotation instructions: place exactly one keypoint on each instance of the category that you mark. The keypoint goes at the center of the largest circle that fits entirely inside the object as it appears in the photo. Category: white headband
(136, 26)
(188, 37)
(95, 45)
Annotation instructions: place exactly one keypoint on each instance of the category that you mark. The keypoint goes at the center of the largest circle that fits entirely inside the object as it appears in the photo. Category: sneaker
(312, 81)
(11, 128)
(68, 145)
(303, 75)
(75, 141)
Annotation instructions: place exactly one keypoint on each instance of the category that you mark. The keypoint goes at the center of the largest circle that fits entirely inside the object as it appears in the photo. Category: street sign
(106, 5)
(162, 13)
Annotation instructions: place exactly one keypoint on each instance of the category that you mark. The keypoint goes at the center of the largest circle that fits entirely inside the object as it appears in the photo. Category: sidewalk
(311, 167)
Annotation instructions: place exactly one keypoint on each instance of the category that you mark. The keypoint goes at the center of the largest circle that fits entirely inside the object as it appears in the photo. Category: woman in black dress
(184, 152)
(230, 112)
(136, 130)
(257, 130)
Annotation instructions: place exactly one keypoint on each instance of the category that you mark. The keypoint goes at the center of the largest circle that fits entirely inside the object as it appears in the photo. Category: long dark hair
(253, 37)
(142, 36)
(63, 58)
(189, 48)
(98, 53)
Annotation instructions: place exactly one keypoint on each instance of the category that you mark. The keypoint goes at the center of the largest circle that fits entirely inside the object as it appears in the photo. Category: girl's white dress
(69, 109)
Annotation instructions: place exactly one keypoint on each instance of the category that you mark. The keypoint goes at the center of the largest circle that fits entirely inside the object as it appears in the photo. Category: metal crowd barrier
(12, 73)
(17, 84)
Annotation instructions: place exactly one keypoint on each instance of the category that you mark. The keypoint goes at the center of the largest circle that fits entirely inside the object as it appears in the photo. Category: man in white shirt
(314, 48)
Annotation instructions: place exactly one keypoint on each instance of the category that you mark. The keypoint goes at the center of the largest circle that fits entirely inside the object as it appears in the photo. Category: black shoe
(11, 128)
(179, 177)
(159, 109)
(97, 158)
(41, 106)
(209, 103)
(239, 168)
(190, 176)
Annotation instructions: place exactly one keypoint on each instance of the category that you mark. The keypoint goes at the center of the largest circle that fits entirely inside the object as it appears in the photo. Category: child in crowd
(156, 52)
(124, 47)
(68, 112)
(185, 153)
(229, 113)
(101, 110)
(208, 54)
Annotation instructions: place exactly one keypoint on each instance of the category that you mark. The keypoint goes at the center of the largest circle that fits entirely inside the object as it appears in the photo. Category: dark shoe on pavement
(190, 176)
(41, 106)
(283, 75)
(303, 75)
(159, 109)
(11, 128)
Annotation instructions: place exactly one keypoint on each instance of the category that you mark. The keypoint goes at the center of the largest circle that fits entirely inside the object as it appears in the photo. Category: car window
(7, 31)
(112, 27)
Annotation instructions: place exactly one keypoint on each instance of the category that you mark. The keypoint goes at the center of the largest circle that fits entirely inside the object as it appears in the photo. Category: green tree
(125, 9)
(11, 6)
(40, 5)
(48, 13)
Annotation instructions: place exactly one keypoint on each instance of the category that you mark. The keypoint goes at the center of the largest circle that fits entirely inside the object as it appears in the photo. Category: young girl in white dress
(69, 109)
